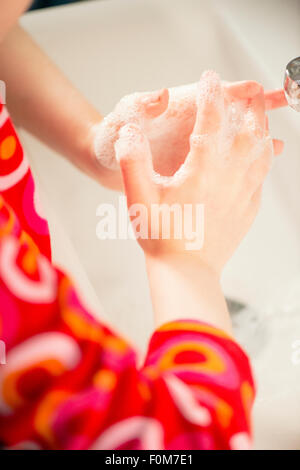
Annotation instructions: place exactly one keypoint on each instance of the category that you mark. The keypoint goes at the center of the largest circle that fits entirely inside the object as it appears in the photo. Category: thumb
(154, 103)
(135, 158)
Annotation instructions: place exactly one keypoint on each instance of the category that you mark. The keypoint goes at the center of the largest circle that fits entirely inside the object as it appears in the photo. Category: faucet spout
(292, 83)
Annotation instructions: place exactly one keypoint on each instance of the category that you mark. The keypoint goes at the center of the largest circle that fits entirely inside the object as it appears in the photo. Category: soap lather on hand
(167, 118)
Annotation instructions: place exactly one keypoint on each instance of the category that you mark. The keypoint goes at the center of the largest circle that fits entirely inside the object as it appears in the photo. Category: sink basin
(113, 48)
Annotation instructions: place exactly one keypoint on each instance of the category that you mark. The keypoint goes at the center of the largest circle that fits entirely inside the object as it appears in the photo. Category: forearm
(183, 288)
(43, 101)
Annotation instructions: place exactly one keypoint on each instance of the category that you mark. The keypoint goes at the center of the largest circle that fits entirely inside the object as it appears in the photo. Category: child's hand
(230, 155)
(167, 118)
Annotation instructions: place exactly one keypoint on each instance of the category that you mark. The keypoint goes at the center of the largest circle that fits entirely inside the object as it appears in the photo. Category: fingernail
(152, 97)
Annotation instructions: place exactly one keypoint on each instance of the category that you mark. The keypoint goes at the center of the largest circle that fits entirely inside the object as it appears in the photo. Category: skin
(50, 116)
(167, 118)
(64, 120)
(215, 175)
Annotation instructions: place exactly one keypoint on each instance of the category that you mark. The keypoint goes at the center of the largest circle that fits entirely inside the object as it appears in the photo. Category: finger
(155, 103)
(257, 106)
(246, 141)
(267, 124)
(260, 168)
(241, 90)
(201, 148)
(250, 94)
(278, 146)
(275, 99)
(245, 89)
(210, 110)
(210, 104)
(134, 155)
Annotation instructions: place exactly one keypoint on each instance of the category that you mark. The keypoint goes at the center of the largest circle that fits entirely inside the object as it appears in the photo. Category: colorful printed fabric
(69, 382)
(17, 186)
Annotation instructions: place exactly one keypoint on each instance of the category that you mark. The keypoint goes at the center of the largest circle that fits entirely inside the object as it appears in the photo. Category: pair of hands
(214, 137)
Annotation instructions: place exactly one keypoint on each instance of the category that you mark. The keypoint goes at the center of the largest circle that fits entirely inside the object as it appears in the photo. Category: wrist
(186, 260)
(183, 287)
(87, 161)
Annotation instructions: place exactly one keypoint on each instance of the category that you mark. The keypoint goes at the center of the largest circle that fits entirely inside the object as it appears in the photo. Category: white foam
(169, 133)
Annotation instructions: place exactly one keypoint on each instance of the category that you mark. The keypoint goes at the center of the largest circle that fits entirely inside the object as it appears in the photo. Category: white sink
(113, 48)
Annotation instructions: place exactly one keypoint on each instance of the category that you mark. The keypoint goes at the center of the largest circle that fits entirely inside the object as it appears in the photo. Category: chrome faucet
(291, 84)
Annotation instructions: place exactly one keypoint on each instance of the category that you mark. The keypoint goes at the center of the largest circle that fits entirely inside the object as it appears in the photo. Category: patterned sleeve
(70, 383)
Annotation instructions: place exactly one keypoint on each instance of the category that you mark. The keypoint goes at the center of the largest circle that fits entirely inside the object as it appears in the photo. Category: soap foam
(169, 133)
(210, 89)
(131, 143)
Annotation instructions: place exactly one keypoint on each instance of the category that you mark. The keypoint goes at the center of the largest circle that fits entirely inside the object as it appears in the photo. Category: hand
(167, 118)
(230, 155)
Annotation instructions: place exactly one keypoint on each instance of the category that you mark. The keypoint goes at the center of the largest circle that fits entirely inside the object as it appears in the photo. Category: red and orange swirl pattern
(69, 382)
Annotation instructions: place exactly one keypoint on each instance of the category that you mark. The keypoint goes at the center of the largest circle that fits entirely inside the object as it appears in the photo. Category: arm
(224, 175)
(43, 101)
(69, 382)
(181, 287)
(65, 371)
